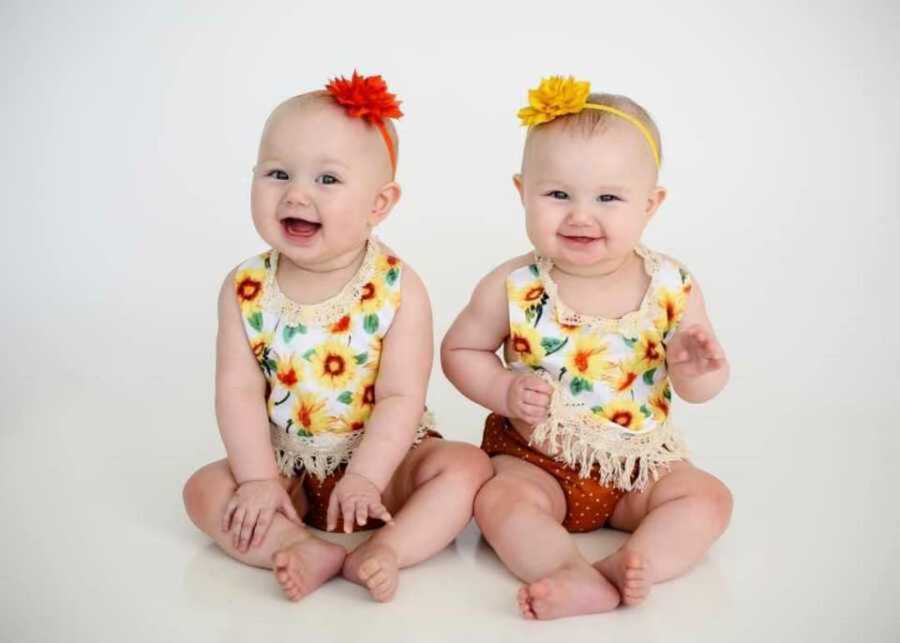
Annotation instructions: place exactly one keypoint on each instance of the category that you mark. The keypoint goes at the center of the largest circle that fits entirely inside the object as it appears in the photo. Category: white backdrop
(129, 131)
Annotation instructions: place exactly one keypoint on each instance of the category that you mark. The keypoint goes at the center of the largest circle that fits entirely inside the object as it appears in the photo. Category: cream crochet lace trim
(321, 455)
(630, 323)
(324, 313)
(579, 439)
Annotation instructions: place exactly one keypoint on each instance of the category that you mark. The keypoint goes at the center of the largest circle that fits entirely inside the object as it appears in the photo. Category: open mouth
(579, 240)
(299, 228)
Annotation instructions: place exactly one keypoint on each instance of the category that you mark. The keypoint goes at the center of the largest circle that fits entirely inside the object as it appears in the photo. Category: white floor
(97, 547)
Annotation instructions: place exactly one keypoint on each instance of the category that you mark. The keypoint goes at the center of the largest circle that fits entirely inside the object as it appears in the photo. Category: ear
(385, 199)
(656, 198)
(517, 181)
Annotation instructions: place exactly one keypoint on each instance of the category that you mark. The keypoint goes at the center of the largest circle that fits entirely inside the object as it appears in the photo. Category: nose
(295, 195)
(578, 215)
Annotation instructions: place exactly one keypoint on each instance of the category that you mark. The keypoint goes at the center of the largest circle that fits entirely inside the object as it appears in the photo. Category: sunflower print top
(611, 402)
(320, 360)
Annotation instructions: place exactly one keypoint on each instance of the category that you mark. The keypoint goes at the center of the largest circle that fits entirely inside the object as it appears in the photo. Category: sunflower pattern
(321, 376)
(616, 368)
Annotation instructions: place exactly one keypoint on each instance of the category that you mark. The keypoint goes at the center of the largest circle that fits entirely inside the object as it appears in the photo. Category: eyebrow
(326, 160)
(599, 188)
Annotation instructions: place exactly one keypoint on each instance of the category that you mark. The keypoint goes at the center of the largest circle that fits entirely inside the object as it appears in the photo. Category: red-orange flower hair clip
(367, 97)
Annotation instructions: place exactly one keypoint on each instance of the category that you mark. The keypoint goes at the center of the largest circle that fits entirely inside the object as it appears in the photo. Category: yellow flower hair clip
(557, 96)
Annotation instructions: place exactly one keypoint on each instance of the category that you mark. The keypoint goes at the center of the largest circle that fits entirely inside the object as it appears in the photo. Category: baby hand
(528, 398)
(355, 495)
(693, 352)
(251, 510)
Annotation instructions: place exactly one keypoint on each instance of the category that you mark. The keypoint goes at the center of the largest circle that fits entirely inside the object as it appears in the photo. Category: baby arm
(696, 362)
(244, 427)
(469, 354)
(407, 352)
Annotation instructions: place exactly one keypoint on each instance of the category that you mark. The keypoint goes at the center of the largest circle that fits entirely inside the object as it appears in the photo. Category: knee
(464, 462)
(199, 495)
(717, 502)
(501, 496)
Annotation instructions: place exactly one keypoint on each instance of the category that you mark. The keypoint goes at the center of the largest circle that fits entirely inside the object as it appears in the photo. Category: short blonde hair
(322, 97)
(588, 120)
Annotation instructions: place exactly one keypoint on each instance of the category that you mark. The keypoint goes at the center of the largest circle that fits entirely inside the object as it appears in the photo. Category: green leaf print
(308, 355)
(290, 331)
(667, 393)
(553, 344)
(629, 341)
(303, 433)
(529, 314)
(361, 358)
(648, 376)
(580, 384)
(534, 270)
(271, 366)
(256, 321)
(346, 397)
(597, 410)
(370, 323)
(645, 410)
(391, 277)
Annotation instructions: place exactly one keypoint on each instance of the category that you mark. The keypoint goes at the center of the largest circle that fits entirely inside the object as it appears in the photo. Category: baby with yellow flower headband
(321, 373)
(596, 330)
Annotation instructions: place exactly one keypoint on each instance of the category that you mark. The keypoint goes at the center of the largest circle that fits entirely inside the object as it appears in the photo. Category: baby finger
(362, 514)
(229, 513)
(236, 526)
(247, 530)
(380, 511)
(349, 508)
(262, 527)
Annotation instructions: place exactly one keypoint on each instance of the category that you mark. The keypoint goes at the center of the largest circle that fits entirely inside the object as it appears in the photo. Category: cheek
(541, 225)
(262, 199)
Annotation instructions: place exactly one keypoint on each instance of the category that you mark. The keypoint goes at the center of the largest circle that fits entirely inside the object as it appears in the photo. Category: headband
(367, 97)
(556, 96)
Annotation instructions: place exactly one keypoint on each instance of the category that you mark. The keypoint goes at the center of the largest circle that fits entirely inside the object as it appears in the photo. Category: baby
(324, 352)
(596, 330)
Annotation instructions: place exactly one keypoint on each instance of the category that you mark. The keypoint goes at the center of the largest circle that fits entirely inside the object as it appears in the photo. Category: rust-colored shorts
(589, 503)
(318, 493)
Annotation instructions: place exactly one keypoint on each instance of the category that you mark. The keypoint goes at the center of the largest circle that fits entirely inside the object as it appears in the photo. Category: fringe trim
(324, 313)
(320, 455)
(631, 323)
(627, 461)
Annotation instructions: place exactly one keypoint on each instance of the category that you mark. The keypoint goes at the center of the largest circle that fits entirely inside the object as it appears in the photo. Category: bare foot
(375, 567)
(303, 565)
(568, 592)
(627, 570)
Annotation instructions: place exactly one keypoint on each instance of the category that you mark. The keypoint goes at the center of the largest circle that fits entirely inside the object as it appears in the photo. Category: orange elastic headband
(367, 97)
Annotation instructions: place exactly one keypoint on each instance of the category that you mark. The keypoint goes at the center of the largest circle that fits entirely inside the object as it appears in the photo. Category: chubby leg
(430, 497)
(301, 561)
(674, 522)
(520, 512)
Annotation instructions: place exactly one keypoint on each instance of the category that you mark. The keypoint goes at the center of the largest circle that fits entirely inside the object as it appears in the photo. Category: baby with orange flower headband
(321, 373)
(596, 330)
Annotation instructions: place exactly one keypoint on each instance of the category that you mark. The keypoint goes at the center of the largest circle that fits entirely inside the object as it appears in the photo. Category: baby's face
(587, 197)
(318, 183)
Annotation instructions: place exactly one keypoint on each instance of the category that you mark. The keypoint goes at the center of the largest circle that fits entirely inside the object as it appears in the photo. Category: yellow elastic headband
(556, 96)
